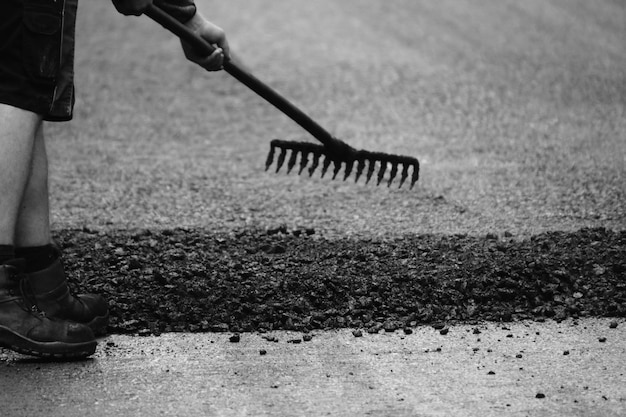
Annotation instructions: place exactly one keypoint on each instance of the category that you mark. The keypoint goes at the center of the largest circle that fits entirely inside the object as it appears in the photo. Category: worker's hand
(212, 34)
(134, 7)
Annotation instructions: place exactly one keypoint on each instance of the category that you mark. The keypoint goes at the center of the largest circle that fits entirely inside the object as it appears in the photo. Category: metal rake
(332, 151)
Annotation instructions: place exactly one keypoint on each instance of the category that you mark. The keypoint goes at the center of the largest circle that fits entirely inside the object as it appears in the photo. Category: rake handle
(245, 77)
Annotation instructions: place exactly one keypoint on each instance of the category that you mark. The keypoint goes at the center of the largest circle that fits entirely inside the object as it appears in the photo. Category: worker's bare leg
(18, 129)
(33, 222)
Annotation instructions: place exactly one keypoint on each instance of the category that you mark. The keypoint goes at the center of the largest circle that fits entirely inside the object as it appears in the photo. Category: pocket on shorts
(41, 36)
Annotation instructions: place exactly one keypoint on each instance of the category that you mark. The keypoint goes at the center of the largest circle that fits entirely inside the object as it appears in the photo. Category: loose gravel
(259, 280)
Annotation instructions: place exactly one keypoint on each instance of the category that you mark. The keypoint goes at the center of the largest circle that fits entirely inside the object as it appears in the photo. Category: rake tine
(359, 169)
(292, 160)
(349, 165)
(393, 173)
(370, 170)
(316, 162)
(281, 159)
(337, 168)
(303, 161)
(381, 173)
(270, 157)
(303, 154)
(405, 174)
(327, 162)
(416, 174)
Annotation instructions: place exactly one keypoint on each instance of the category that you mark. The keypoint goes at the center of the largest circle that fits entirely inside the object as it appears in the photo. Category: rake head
(360, 162)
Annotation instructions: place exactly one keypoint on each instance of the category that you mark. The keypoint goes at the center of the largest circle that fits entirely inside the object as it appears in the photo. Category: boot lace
(28, 295)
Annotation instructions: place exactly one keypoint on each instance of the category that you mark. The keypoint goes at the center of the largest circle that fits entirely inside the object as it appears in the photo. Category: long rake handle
(246, 78)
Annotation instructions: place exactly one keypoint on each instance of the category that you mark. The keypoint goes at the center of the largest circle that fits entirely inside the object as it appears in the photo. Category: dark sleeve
(183, 10)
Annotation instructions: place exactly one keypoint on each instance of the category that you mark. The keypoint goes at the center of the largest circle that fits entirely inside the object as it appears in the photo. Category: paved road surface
(516, 111)
(497, 372)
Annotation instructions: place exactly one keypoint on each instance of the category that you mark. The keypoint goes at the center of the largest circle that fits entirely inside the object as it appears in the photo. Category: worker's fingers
(213, 62)
(216, 36)
(225, 48)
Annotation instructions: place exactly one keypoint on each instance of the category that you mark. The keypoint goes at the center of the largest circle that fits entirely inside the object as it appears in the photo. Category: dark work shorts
(37, 56)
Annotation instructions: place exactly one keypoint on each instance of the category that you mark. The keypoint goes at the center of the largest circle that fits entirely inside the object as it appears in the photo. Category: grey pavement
(516, 111)
(486, 369)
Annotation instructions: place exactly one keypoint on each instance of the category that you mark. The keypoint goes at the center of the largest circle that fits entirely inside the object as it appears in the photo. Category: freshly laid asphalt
(516, 111)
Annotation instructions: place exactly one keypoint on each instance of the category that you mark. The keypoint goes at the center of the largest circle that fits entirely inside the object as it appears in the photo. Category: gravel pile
(255, 280)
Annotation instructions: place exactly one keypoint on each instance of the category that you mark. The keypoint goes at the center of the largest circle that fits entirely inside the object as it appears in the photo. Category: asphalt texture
(516, 113)
(161, 202)
(189, 280)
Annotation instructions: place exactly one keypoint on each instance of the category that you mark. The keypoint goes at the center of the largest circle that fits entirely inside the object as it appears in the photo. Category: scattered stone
(566, 352)
(390, 326)
(444, 331)
(144, 332)
(519, 356)
(307, 337)
(262, 352)
(375, 328)
(235, 338)
(598, 269)
(491, 373)
(134, 263)
(602, 339)
(274, 249)
(282, 229)
(439, 325)
(357, 333)
(476, 331)
(540, 395)
(613, 325)
(408, 330)
(220, 327)
(294, 341)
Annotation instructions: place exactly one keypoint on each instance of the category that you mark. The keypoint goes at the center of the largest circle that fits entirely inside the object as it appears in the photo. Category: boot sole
(48, 350)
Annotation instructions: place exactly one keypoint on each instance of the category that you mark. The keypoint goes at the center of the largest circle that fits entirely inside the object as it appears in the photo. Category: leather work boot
(52, 295)
(25, 329)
